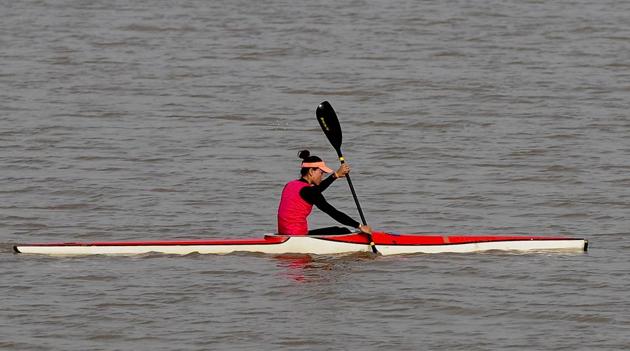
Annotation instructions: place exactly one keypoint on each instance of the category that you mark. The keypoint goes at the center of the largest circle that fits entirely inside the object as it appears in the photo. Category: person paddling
(299, 196)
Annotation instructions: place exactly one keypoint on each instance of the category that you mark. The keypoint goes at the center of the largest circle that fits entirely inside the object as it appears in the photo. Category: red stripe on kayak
(459, 239)
(381, 238)
(267, 240)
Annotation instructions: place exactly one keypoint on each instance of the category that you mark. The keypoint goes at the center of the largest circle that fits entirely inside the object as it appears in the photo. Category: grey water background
(128, 120)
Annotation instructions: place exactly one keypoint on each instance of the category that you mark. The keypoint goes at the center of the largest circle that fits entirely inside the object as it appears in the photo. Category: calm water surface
(126, 120)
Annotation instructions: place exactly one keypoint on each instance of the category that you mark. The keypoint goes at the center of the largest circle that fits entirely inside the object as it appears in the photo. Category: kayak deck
(386, 243)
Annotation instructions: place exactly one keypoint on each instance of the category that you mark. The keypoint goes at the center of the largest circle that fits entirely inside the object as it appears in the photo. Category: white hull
(300, 245)
(555, 245)
(318, 245)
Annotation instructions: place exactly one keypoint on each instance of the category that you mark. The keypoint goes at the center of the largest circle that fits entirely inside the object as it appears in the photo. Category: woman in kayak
(299, 196)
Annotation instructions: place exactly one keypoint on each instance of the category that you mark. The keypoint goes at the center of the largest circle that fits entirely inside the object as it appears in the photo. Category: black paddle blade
(329, 122)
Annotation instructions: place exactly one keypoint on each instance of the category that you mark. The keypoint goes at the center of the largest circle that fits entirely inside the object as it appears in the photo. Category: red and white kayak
(386, 243)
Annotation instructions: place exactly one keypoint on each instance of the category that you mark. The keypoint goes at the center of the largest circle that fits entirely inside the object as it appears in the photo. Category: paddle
(329, 122)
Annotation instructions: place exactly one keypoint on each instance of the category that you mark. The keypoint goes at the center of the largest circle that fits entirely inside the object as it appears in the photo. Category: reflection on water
(293, 266)
(314, 268)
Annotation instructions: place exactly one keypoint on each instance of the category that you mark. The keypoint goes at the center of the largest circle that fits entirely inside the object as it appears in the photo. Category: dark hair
(305, 155)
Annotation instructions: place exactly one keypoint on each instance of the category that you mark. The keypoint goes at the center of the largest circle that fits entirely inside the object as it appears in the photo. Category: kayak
(386, 244)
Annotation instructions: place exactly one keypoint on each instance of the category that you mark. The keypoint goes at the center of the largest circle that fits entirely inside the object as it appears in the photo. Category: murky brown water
(126, 120)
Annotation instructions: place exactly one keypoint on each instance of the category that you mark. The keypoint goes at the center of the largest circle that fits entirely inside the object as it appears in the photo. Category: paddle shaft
(356, 201)
(354, 193)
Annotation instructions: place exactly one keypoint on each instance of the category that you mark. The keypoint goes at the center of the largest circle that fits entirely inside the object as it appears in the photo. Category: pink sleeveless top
(293, 210)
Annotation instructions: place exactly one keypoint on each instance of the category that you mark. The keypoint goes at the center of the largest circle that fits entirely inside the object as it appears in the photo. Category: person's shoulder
(309, 189)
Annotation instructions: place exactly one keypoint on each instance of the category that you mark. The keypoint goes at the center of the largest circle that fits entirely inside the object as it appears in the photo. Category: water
(128, 120)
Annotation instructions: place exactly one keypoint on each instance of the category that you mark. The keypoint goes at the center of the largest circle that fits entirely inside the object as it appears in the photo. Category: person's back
(293, 210)
(299, 196)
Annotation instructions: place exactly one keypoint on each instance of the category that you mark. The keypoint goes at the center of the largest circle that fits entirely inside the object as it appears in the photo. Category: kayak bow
(388, 244)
